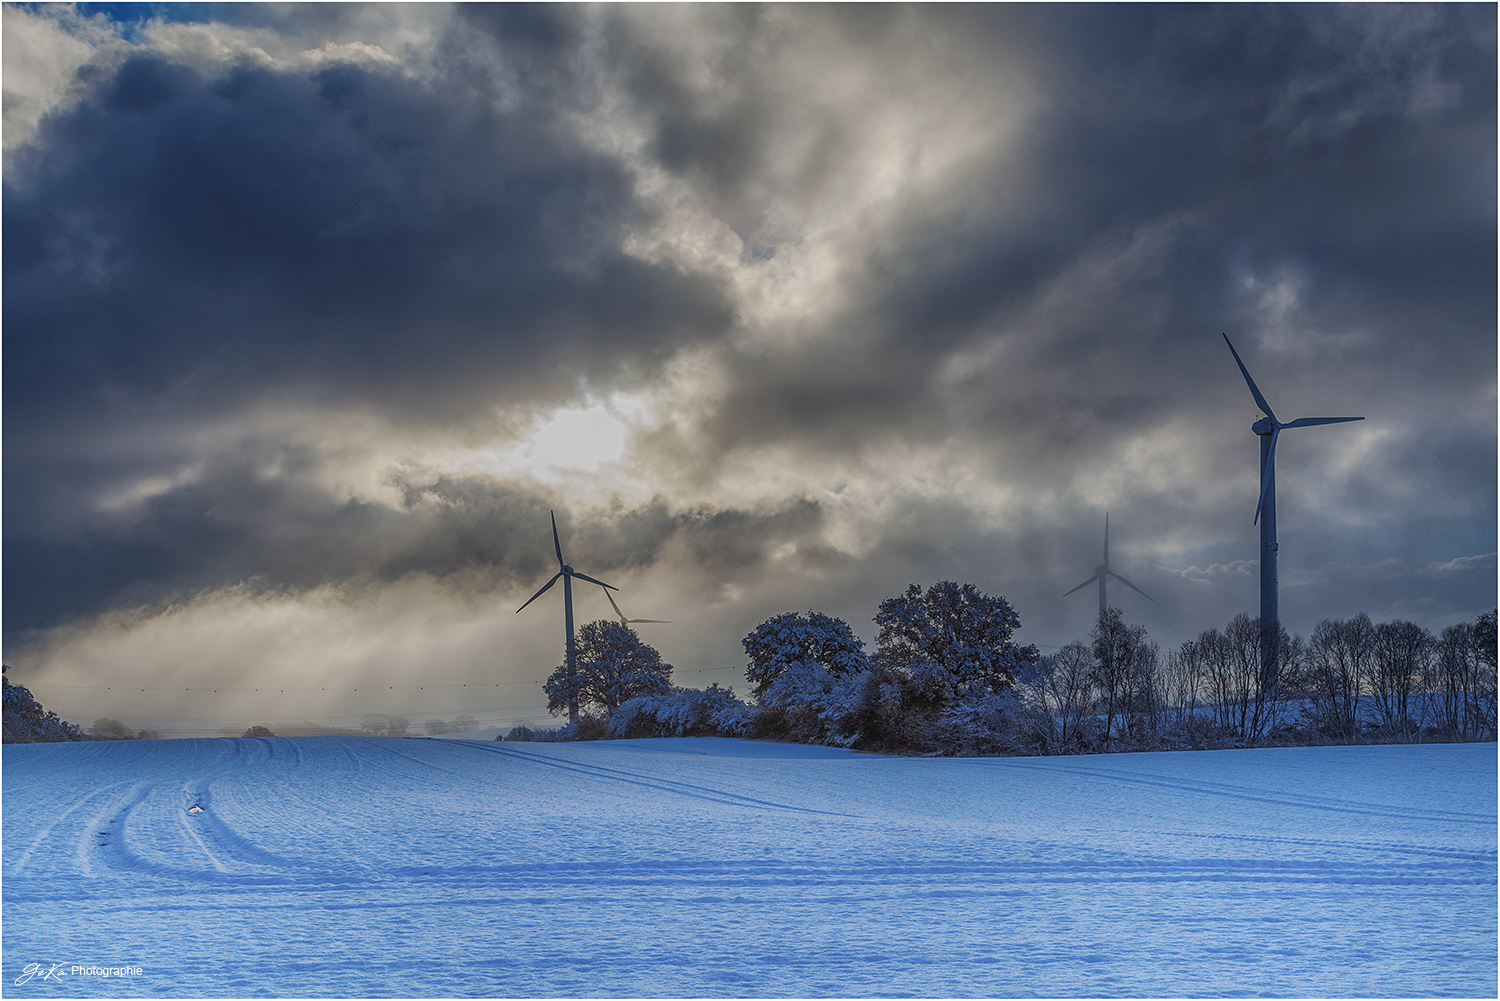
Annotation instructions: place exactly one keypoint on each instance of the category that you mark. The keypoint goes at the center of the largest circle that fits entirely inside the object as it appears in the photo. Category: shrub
(541, 734)
(683, 712)
(110, 729)
(980, 725)
(382, 725)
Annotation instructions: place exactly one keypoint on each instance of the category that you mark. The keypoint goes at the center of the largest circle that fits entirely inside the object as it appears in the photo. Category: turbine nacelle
(1269, 425)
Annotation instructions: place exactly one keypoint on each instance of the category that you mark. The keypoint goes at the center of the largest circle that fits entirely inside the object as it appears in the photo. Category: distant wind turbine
(1102, 571)
(567, 574)
(1269, 429)
(627, 622)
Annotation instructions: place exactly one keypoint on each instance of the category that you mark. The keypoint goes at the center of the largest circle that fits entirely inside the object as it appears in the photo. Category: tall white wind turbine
(1269, 429)
(1102, 571)
(567, 574)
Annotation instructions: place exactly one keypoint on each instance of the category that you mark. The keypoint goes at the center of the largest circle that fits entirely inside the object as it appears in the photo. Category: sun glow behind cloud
(566, 441)
(776, 307)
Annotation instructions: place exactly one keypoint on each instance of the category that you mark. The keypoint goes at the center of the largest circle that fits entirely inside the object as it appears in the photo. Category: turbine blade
(584, 576)
(1127, 583)
(1307, 422)
(1106, 538)
(623, 620)
(555, 541)
(542, 591)
(1085, 584)
(1260, 401)
(1265, 474)
(666, 621)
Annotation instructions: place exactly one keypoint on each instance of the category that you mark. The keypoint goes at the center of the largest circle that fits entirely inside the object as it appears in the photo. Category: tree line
(946, 677)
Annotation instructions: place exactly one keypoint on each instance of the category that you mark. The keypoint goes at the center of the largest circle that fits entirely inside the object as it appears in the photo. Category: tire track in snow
(706, 881)
(1489, 858)
(651, 782)
(96, 819)
(198, 846)
(1255, 795)
(756, 872)
(424, 762)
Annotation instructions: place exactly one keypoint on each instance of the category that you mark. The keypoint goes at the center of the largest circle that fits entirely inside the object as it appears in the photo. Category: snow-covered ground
(332, 866)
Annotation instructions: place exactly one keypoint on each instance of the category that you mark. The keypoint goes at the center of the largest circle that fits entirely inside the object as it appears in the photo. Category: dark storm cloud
(1184, 156)
(347, 228)
(183, 243)
(1354, 146)
(235, 525)
(192, 242)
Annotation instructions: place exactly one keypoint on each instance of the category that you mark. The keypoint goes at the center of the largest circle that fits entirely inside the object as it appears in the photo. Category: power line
(477, 724)
(45, 686)
(309, 717)
(269, 688)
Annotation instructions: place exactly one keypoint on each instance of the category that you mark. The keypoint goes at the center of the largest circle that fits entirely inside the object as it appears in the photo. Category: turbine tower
(567, 573)
(627, 622)
(1269, 429)
(1103, 571)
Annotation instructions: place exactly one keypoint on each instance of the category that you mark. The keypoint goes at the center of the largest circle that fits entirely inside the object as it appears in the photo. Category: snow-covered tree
(1125, 677)
(1401, 650)
(613, 667)
(1244, 707)
(1461, 683)
(382, 725)
(780, 642)
(1338, 673)
(951, 640)
(1182, 691)
(110, 729)
(26, 722)
(1064, 688)
(1486, 676)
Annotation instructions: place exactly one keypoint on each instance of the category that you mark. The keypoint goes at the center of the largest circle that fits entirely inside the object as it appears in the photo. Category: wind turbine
(627, 622)
(567, 573)
(1269, 429)
(1103, 571)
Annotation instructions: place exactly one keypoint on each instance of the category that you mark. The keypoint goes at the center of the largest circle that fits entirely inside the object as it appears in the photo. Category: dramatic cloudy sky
(312, 313)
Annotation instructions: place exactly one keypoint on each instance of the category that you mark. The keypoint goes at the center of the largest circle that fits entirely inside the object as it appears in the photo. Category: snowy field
(332, 866)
